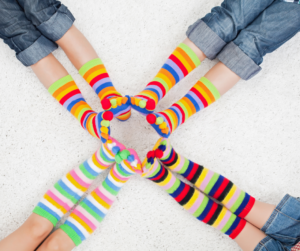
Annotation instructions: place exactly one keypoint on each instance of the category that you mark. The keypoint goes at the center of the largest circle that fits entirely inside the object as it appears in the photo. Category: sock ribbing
(209, 182)
(198, 204)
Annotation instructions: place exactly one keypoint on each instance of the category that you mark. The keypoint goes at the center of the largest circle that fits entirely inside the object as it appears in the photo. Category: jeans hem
(239, 62)
(41, 48)
(205, 39)
(275, 212)
(262, 243)
(57, 26)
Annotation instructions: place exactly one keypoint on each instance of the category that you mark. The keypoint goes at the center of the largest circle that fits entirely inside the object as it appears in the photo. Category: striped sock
(66, 92)
(202, 94)
(96, 75)
(87, 216)
(181, 62)
(207, 181)
(67, 191)
(195, 202)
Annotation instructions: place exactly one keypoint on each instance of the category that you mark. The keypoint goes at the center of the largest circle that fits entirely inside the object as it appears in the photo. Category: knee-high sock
(195, 202)
(87, 216)
(66, 92)
(68, 190)
(209, 182)
(96, 75)
(202, 94)
(180, 63)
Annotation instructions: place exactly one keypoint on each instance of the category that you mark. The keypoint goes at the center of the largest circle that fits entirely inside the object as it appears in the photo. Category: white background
(251, 135)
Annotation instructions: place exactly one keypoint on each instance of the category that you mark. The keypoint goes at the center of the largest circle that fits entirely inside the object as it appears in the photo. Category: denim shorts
(283, 227)
(31, 27)
(241, 32)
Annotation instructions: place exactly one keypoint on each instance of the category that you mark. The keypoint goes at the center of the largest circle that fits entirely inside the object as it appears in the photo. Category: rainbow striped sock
(202, 94)
(181, 62)
(96, 75)
(87, 216)
(66, 92)
(195, 202)
(67, 191)
(207, 181)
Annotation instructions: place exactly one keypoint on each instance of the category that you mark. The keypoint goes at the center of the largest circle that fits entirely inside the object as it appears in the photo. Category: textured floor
(251, 135)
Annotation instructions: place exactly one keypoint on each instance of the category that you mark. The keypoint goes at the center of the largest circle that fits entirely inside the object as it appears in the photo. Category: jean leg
(268, 244)
(212, 32)
(51, 18)
(272, 28)
(21, 35)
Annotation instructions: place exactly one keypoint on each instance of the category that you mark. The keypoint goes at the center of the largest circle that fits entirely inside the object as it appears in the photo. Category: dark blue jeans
(241, 32)
(31, 27)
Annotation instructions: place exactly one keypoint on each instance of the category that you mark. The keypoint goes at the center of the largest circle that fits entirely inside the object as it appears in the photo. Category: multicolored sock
(195, 202)
(68, 190)
(207, 181)
(202, 94)
(181, 62)
(87, 216)
(96, 75)
(66, 92)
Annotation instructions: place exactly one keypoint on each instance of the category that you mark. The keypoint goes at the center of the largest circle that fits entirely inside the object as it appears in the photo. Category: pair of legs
(238, 214)
(238, 33)
(88, 214)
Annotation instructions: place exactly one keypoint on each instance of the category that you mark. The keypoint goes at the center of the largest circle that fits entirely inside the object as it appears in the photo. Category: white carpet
(251, 135)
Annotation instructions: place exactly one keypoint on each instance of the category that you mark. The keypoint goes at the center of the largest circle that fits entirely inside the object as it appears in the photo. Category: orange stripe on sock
(90, 71)
(203, 86)
(107, 90)
(186, 56)
(64, 87)
(173, 118)
(169, 76)
(82, 223)
(189, 106)
(75, 183)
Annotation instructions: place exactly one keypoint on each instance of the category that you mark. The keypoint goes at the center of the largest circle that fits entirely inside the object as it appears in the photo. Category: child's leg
(206, 91)
(63, 88)
(216, 186)
(27, 237)
(202, 207)
(85, 59)
(60, 199)
(206, 38)
(87, 216)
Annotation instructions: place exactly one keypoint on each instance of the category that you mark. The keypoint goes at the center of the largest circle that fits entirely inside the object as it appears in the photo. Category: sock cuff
(87, 66)
(71, 233)
(190, 53)
(41, 212)
(59, 83)
(211, 87)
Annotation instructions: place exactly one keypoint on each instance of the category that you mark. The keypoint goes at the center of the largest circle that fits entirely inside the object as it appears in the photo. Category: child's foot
(142, 105)
(160, 124)
(103, 120)
(119, 106)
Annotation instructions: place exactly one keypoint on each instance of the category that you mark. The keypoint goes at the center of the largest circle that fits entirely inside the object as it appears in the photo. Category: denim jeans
(241, 32)
(31, 27)
(283, 226)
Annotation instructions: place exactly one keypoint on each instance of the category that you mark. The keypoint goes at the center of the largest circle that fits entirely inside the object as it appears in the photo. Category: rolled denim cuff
(205, 39)
(237, 61)
(55, 27)
(41, 48)
(263, 243)
(275, 212)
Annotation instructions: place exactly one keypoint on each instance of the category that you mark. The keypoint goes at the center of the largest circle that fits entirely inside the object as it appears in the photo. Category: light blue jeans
(241, 32)
(283, 227)
(31, 27)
